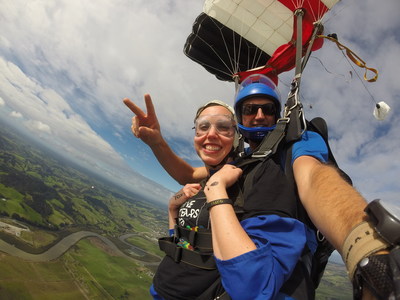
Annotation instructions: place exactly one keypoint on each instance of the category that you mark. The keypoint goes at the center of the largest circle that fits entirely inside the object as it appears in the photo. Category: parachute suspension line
(353, 57)
(381, 109)
(235, 67)
(318, 27)
(236, 79)
(330, 72)
(316, 12)
(254, 59)
(232, 62)
(208, 65)
(216, 53)
(345, 5)
(358, 76)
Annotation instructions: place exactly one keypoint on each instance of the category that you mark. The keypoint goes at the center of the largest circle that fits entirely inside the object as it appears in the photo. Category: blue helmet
(260, 86)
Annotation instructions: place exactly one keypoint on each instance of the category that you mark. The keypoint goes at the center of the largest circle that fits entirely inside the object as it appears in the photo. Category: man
(333, 205)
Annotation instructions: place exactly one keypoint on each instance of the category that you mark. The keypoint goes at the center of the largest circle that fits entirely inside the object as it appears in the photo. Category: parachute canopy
(381, 111)
(233, 36)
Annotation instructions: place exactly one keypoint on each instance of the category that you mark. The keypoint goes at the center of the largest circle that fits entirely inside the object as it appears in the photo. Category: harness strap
(216, 291)
(270, 143)
(190, 257)
(201, 240)
(307, 260)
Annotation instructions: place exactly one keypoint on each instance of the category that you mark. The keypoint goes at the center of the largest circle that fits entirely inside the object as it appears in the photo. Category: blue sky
(66, 65)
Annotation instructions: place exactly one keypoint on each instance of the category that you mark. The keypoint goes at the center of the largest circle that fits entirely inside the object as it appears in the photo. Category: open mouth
(212, 147)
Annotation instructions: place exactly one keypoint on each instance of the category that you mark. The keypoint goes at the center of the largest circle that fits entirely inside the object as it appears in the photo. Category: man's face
(253, 116)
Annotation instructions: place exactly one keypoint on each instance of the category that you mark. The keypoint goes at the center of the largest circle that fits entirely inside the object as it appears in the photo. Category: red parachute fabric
(284, 57)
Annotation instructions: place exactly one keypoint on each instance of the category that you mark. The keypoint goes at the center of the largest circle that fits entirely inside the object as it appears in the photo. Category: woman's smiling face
(213, 145)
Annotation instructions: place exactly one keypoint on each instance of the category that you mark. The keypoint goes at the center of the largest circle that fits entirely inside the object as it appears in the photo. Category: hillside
(41, 189)
(335, 284)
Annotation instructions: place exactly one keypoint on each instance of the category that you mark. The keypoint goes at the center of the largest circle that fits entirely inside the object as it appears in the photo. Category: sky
(66, 65)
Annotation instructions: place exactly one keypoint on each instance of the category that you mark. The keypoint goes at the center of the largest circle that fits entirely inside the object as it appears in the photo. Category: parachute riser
(299, 13)
(294, 113)
(318, 29)
(293, 108)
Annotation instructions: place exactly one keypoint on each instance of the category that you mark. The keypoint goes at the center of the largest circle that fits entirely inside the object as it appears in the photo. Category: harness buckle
(192, 238)
(177, 254)
(283, 121)
(261, 154)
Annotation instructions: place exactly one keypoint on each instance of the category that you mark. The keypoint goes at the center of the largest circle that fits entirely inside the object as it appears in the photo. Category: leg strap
(190, 257)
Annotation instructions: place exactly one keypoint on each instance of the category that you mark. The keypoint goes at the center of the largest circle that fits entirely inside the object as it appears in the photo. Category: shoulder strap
(271, 142)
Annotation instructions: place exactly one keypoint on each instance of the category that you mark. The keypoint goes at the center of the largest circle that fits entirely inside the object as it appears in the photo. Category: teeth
(212, 148)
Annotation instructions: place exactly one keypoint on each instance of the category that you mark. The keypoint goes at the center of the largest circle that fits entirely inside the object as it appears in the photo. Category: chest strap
(190, 257)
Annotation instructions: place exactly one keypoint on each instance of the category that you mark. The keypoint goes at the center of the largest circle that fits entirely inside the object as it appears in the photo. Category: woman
(250, 259)
(215, 130)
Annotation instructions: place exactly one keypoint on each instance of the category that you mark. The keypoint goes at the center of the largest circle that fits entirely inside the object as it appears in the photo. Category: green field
(88, 271)
(146, 244)
(335, 284)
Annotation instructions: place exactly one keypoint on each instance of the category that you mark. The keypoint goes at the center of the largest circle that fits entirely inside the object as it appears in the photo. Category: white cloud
(38, 126)
(69, 63)
(16, 114)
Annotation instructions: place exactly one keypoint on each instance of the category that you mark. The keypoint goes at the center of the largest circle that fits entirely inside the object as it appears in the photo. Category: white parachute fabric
(381, 111)
(267, 24)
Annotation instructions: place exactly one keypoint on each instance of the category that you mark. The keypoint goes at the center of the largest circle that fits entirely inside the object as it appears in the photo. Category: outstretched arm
(333, 205)
(147, 128)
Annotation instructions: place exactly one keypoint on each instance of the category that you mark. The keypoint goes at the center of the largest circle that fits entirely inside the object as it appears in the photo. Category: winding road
(62, 246)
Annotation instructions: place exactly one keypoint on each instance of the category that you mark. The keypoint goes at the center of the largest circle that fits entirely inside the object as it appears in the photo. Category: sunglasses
(223, 124)
(268, 109)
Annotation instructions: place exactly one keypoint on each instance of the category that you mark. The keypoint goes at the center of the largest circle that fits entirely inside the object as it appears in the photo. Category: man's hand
(378, 276)
(145, 126)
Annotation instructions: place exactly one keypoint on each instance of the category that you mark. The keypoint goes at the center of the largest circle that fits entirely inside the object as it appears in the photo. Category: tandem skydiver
(210, 254)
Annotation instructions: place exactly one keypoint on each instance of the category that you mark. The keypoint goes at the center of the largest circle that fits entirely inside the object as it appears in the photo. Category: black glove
(380, 274)
(394, 261)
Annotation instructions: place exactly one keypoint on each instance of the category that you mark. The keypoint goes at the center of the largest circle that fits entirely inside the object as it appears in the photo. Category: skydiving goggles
(268, 109)
(223, 124)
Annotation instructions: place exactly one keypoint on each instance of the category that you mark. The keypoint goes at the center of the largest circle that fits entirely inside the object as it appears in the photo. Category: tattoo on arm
(178, 195)
(212, 184)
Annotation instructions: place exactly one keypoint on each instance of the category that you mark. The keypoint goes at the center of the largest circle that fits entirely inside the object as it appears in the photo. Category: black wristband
(218, 202)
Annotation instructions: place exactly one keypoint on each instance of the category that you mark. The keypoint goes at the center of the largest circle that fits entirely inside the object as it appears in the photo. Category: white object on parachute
(381, 111)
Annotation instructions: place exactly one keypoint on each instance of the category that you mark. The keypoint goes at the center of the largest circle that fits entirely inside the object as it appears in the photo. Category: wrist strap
(218, 202)
(362, 241)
